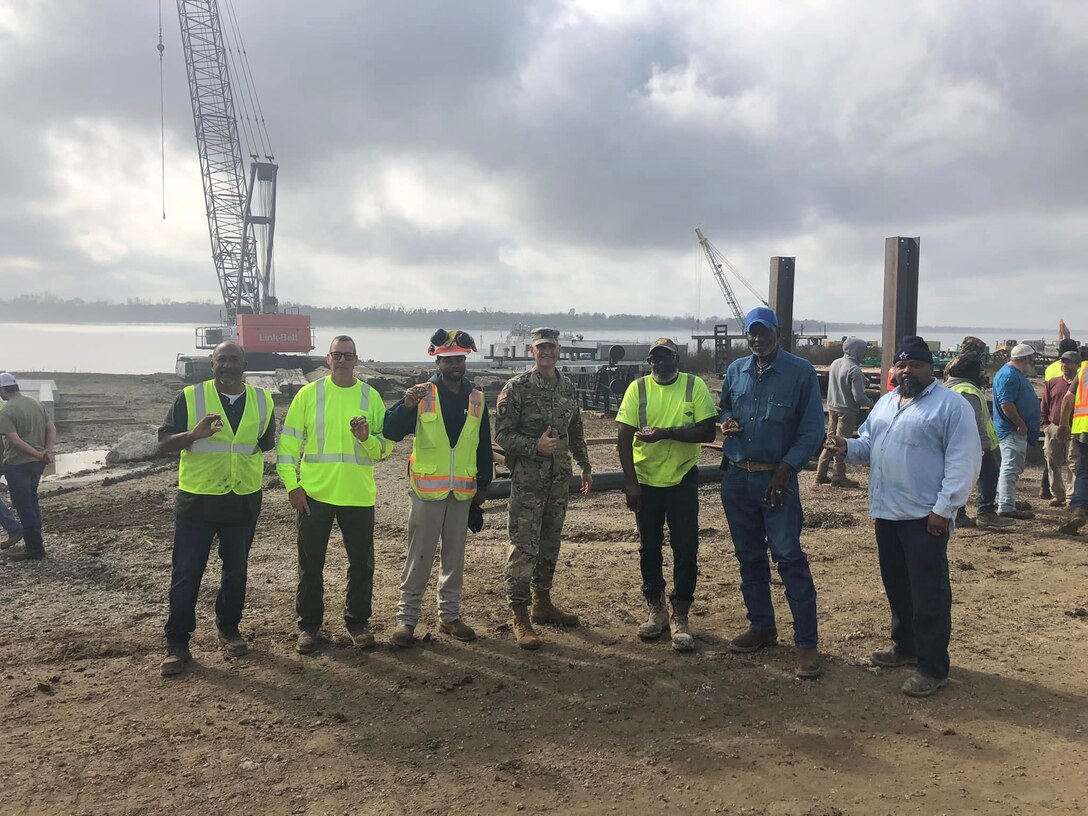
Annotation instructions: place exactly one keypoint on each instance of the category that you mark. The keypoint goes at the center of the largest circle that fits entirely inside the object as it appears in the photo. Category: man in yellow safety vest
(221, 428)
(449, 470)
(331, 439)
(1074, 427)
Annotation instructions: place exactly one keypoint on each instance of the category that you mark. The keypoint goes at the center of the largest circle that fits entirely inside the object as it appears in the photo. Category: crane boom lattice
(717, 261)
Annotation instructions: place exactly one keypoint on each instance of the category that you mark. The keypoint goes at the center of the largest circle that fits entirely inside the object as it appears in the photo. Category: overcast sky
(543, 155)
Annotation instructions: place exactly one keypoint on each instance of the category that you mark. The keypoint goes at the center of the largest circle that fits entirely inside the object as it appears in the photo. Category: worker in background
(772, 419)
(29, 438)
(449, 470)
(845, 400)
(221, 428)
(331, 440)
(1074, 426)
(963, 374)
(539, 427)
(1059, 455)
(1016, 418)
(922, 446)
(1055, 370)
(662, 420)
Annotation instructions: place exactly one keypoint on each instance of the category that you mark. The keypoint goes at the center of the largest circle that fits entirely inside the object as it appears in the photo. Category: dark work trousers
(23, 482)
(987, 480)
(193, 539)
(914, 568)
(357, 527)
(757, 527)
(679, 506)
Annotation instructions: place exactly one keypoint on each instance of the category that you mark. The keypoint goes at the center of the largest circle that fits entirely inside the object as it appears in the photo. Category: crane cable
(162, 116)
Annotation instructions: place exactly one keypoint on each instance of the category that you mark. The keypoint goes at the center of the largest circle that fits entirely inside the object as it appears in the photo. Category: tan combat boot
(544, 611)
(682, 639)
(523, 627)
(658, 620)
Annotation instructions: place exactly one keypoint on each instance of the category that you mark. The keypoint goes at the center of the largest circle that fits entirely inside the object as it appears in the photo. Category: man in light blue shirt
(772, 418)
(1016, 418)
(922, 445)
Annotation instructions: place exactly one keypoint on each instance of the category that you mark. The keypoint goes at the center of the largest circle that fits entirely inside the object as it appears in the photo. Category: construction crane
(717, 261)
(241, 213)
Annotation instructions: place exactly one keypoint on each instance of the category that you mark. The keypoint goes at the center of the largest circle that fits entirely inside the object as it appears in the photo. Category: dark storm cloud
(610, 137)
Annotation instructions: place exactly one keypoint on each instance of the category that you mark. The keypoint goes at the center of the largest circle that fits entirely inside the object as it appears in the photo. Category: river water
(146, 348)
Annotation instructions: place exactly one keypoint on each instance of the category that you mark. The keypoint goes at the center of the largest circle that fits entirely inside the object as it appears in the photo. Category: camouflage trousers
(538, 506)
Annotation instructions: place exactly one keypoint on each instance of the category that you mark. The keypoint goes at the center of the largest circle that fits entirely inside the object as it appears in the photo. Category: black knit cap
(913, 347)
(1068, 344)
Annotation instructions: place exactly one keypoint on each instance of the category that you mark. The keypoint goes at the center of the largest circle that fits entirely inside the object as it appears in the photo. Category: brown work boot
(403, 636)
(1022, 515)
(682, 640)
(1056, 502)
(177, 658)
(821, 472)
(362, 637)
(1076, 520)
(544, 611)
(809, 664)
(232, 642)
(658, 620)
(891, 659)
(753, 640)
(842, 481)
(307, 642)
(11, 541)
(922, 685)
(990, 520)
(1023, 505)
(523, 627)
(458, 630)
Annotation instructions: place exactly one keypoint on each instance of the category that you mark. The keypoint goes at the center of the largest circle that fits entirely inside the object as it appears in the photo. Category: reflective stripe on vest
(228, 461)
(975, 391)
(320, 457)
(689, 395)
(1080, 408)
(452, 469)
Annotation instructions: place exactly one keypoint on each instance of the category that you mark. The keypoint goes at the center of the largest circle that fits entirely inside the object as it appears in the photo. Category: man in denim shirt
(772, 419)
(1016, 418)
(922, 444)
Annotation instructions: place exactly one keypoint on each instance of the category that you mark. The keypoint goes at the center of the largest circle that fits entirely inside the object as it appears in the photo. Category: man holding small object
(220, 480)
(331, 440)
(772, 419)
(922, 445)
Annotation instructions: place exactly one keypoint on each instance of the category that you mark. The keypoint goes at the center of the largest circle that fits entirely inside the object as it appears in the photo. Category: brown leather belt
(755, 467)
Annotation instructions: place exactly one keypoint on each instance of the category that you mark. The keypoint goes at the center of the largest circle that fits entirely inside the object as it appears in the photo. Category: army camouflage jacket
(526, 407)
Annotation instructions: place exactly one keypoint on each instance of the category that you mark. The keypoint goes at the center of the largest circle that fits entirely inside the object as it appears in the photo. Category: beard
(909, 387)
(664, 375)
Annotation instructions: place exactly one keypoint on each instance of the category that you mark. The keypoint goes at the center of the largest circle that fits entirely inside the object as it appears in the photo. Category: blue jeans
(987, 481)
(1014, 450)
(756, 526)
(193, 539)
(914, 569)
(23, 482)
(1080, 484)
(8, 520)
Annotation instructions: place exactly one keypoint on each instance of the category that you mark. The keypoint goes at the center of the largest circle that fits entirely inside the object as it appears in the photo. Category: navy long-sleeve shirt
(401, 421)
(781, 413)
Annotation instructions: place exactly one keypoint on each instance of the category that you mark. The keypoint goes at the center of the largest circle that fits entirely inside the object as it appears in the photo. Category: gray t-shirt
(27, 418)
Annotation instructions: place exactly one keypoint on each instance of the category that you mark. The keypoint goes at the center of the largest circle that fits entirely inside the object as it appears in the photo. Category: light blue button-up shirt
(924, 457)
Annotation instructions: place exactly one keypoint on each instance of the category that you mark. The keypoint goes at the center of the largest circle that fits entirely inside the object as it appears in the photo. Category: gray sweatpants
(427, 522)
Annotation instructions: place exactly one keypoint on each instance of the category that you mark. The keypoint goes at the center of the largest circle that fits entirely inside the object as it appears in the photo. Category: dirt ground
(596, 721)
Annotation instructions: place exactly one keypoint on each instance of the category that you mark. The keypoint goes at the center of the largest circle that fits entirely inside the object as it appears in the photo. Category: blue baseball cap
(761, 314)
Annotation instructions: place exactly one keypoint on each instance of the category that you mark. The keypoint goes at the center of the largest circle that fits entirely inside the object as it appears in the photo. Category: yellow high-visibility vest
(972, 389)
(228, 461)
(317, 450)
(435, 469)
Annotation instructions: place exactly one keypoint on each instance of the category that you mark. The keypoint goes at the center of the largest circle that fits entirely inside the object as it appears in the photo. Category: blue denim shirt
(1010, 385)
(781, 413)
(924, 457)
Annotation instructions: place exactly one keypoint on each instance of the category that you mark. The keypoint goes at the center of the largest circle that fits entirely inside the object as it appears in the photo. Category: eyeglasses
(342, 355)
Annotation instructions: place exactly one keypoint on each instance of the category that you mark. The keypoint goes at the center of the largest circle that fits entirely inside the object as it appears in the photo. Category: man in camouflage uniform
(539, 427)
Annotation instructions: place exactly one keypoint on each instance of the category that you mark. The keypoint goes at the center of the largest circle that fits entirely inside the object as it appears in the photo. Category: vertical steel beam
(781, 291)
(900, 296)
